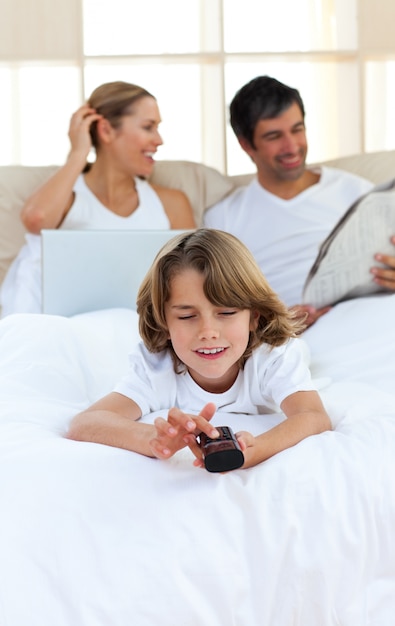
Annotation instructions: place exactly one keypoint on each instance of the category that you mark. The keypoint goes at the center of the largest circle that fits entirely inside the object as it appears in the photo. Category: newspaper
(341, 270)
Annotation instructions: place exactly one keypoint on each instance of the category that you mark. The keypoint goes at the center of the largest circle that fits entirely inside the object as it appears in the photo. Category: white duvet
(96, 536)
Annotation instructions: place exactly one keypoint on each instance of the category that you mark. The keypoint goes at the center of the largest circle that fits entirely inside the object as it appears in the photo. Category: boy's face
(208, 339)
(280, 146)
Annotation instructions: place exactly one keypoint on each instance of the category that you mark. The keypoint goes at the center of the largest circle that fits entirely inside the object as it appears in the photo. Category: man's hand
(310, 314)
(385, 276)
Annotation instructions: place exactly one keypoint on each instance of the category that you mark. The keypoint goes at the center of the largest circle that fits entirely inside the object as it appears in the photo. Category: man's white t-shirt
(269, 376)
(285, 235)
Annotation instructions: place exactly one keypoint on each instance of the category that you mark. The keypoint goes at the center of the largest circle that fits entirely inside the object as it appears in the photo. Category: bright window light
(155, 27)
(48, 97)
(177, 89)
(193, 55)
(267, 26)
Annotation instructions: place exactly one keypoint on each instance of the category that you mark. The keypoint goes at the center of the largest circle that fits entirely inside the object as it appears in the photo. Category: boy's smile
(208, 339)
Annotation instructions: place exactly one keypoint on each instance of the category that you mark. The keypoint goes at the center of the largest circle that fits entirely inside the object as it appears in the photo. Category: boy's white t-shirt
(269, 376)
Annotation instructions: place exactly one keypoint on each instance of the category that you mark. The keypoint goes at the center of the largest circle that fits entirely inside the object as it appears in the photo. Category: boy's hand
(249, 447)
(180, 430)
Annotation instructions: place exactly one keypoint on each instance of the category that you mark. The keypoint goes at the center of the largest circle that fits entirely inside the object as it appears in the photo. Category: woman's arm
(177, 207)
(47, 207)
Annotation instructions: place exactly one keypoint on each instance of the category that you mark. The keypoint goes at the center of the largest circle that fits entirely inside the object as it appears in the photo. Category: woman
(120, 121)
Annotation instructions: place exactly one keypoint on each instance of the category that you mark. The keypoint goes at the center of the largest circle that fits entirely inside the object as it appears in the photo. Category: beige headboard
(203, 185)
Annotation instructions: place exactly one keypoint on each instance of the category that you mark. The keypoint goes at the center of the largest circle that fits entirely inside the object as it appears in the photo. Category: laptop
(89, 270)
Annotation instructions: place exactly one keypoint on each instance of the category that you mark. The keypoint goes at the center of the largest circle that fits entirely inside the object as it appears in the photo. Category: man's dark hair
(260, 99)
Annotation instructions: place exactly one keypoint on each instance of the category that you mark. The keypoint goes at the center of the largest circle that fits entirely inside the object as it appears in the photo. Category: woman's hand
(80, 124)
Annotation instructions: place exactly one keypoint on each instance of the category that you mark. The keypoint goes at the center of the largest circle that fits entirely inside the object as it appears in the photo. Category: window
(193, 56)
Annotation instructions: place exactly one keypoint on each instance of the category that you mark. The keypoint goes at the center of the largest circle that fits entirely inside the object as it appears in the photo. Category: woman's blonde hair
(113, 101)
(232, 278)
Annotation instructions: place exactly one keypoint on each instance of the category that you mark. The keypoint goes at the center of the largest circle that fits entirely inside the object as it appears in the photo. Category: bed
(97, 536)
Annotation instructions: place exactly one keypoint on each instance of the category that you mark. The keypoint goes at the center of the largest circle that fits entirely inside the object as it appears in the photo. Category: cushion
(17, 182)
(203, 185)
(379, 167)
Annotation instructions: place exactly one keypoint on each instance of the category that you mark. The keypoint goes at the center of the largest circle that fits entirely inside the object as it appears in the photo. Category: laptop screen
(88, 270)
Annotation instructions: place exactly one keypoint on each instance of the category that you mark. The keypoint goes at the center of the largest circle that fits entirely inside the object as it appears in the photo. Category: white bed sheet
(95, 536)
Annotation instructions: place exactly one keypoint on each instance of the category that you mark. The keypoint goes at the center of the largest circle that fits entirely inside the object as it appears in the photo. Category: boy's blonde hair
(232, 278)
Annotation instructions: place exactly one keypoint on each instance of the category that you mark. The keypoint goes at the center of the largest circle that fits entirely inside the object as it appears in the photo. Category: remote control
(223, 453)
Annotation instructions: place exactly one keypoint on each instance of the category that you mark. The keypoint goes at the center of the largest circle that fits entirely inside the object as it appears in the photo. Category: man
(289, 209)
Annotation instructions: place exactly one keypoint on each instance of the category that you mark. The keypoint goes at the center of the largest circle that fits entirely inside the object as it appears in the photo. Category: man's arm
(308, 313)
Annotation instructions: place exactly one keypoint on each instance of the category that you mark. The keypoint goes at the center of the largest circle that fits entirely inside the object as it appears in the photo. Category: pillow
(17, 182)
(203, 185)
(379, 167)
